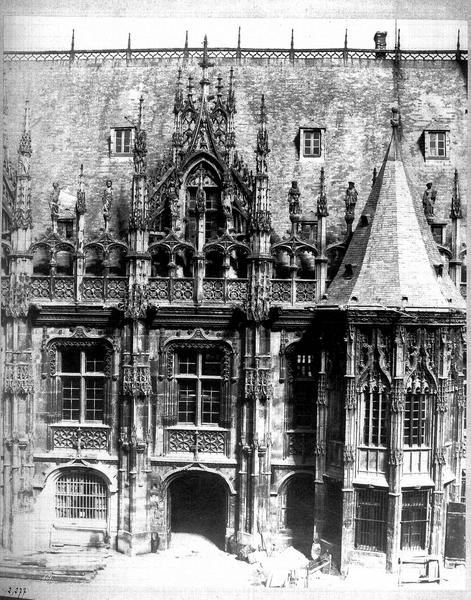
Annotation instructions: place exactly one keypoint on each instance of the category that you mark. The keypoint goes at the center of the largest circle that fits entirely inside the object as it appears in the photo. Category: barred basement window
(80, 496)
(415, 419)
(199, 385)
(414, 520)
(303, 404)
(81, 383)
(375, 418)
(370, 520)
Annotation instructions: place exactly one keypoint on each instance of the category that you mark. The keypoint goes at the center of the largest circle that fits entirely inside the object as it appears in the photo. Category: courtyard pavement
(194, 568)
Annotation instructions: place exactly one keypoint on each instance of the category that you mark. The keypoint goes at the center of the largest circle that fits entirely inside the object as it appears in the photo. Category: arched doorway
(298, 511)
(198, 504)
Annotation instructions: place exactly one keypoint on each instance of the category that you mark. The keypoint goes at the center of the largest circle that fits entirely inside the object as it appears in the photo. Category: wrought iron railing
(238, 54)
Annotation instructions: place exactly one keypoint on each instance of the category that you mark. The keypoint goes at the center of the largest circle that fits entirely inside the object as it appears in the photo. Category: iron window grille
(81, 381)
(80, 496)
(199, 386)
(370, 519)
(416, 419)
(414, 520)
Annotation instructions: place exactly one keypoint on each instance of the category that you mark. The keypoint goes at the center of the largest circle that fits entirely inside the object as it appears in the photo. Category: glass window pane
(94, 398)
(94, 360)
(70, 362)
(186, 401)
(71, 398)
(211, 401)
(119, 141)
(186, 363)
(211, 363)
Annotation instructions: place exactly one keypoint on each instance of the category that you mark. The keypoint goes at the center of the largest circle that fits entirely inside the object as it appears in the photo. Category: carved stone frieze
(183, 440)
(348, 455)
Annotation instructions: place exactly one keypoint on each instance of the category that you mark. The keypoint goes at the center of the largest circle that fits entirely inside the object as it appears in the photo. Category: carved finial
(238, 39)
(204, 63)
(107, 200)
(456, 212)
(375, 173)
(294, 205)
(395, 117)
(186, 53)
(428, 201)
(129, 42)
(186, 39)
(292, 39)
(351, 197)
(322, 198)
(80, 206)
(345, 43)
(458, 42)
(72, 46)
(398, 39)
(139, 121)
(54, 204)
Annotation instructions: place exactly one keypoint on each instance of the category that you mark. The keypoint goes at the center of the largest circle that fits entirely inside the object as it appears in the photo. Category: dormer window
(121, 141)
(436, 144)
(311, 143)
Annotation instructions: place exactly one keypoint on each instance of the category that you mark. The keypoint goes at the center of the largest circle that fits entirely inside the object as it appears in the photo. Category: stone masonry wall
(74, 106)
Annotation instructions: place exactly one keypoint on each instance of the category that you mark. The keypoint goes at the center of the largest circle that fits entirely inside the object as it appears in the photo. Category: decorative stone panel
(40, 287)
(213, 290)
(93, 438)
(18, 378)
(184, 440)
(182, 289)
(305, 291)
(92, 288)
(281, 291)
(237, 291)
(158, 289)
(116, 288)
(63, 288)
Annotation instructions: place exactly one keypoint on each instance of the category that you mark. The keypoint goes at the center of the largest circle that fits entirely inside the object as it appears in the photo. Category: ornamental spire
(262, 140)
(178, 104)
(456, 212)
(230, 103)
(205, 64)
(80, 205)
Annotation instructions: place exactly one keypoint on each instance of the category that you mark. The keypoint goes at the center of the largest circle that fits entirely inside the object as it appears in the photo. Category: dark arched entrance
(198, 504)
(298, 511)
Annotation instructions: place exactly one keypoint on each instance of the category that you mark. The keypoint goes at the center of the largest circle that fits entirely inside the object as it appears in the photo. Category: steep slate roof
(393, 256)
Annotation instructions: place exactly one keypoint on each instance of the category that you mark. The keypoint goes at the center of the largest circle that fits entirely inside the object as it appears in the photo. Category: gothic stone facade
(198, 332)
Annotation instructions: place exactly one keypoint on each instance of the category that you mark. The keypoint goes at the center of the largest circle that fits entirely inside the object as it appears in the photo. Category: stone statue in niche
(107, 200)
(351, 197)
(54, 202)
(428, 200)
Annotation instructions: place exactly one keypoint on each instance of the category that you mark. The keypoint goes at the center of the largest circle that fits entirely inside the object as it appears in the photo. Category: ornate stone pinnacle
(80, 205)
(204, 63)
(456, 212)
(25, 141)
(263, 111)
(322, 198)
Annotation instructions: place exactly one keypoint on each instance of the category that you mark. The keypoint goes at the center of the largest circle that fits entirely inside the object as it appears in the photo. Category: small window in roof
(437, 144)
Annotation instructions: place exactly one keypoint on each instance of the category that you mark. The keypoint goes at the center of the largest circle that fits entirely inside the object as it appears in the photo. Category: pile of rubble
(67, 564)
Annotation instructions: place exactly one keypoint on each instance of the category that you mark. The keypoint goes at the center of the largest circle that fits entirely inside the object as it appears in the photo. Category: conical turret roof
(392, 259)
